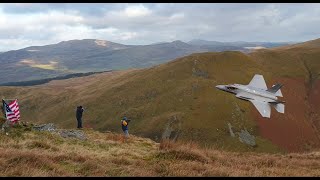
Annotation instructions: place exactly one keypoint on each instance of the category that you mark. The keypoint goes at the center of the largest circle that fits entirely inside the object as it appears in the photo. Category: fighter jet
(257, 93)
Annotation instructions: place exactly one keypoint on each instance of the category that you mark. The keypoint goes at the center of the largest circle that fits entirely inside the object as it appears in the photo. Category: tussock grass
(105, 154)
(190, 159)
(178, 151)
(41, 145)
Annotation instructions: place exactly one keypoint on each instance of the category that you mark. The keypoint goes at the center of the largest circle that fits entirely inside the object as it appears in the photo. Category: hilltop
(26, 152)
(309, 44)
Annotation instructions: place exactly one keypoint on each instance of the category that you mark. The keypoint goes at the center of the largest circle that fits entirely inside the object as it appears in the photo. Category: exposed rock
(237, 114)
(195, 62)
(45, 127)
(5, 126)
(230, 130)
(200, 73)
(73, 133)
(246, 137)
(172, 129)
(195, 87)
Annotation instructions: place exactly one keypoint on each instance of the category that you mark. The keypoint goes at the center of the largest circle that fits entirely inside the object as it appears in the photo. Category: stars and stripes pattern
(12, 110)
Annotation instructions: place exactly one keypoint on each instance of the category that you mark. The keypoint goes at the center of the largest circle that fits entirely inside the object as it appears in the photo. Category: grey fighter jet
(257, 93)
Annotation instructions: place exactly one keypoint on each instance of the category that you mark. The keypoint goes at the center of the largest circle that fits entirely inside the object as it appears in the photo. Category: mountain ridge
(88, 55)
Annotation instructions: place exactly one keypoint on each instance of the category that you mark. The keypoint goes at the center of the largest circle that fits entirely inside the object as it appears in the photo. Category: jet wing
(258, 82)
(263, 108)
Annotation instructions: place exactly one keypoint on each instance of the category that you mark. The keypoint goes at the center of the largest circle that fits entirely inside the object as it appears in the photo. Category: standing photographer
(124, 124)
(79, 112)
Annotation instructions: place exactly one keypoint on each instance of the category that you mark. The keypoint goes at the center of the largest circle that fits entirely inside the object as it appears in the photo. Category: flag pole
(5, 115)
(3, 110)
(7, 123)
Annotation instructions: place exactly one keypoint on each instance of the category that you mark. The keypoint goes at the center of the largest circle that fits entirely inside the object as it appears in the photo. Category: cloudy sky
(23, 25)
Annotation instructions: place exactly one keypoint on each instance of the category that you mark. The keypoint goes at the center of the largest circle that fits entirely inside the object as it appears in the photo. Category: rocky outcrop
(73, 134)
(246, 137)
(62, 132)
(45, 127)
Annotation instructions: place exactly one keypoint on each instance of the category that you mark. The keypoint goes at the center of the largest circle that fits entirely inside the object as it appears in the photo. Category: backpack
(124, 123)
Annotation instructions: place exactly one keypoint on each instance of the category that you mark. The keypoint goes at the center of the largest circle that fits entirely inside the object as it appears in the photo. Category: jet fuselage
(237, 88)
(257, 92)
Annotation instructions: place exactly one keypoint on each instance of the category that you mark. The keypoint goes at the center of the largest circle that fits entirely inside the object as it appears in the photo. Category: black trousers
(79, 123)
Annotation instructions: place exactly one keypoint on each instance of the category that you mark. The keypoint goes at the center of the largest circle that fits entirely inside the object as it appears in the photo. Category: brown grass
(105, 154)
(191, 160)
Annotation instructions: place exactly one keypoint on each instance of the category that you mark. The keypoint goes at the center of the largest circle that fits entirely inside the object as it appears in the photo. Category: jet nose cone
(220, 87)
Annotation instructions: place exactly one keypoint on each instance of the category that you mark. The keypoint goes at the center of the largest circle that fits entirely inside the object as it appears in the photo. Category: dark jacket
(79, 112)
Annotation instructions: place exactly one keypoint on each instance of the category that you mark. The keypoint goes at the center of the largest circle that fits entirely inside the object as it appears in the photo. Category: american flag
(12, 110)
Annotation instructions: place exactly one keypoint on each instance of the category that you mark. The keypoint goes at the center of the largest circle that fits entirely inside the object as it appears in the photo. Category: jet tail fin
(275, 89)
(279, 107)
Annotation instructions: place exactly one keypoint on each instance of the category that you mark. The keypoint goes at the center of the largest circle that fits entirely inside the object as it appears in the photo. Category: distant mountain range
(89, 55)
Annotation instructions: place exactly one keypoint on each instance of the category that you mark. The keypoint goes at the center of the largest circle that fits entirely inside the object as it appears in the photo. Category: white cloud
(127, 35)
(23, 25)
(177, 16)
(37, 24)
(136, 11)
(130, 11)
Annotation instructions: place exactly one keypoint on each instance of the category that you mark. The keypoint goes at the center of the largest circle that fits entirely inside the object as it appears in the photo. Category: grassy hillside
(298, 68)
(179, 99)
(182, 92)
(31, 153)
